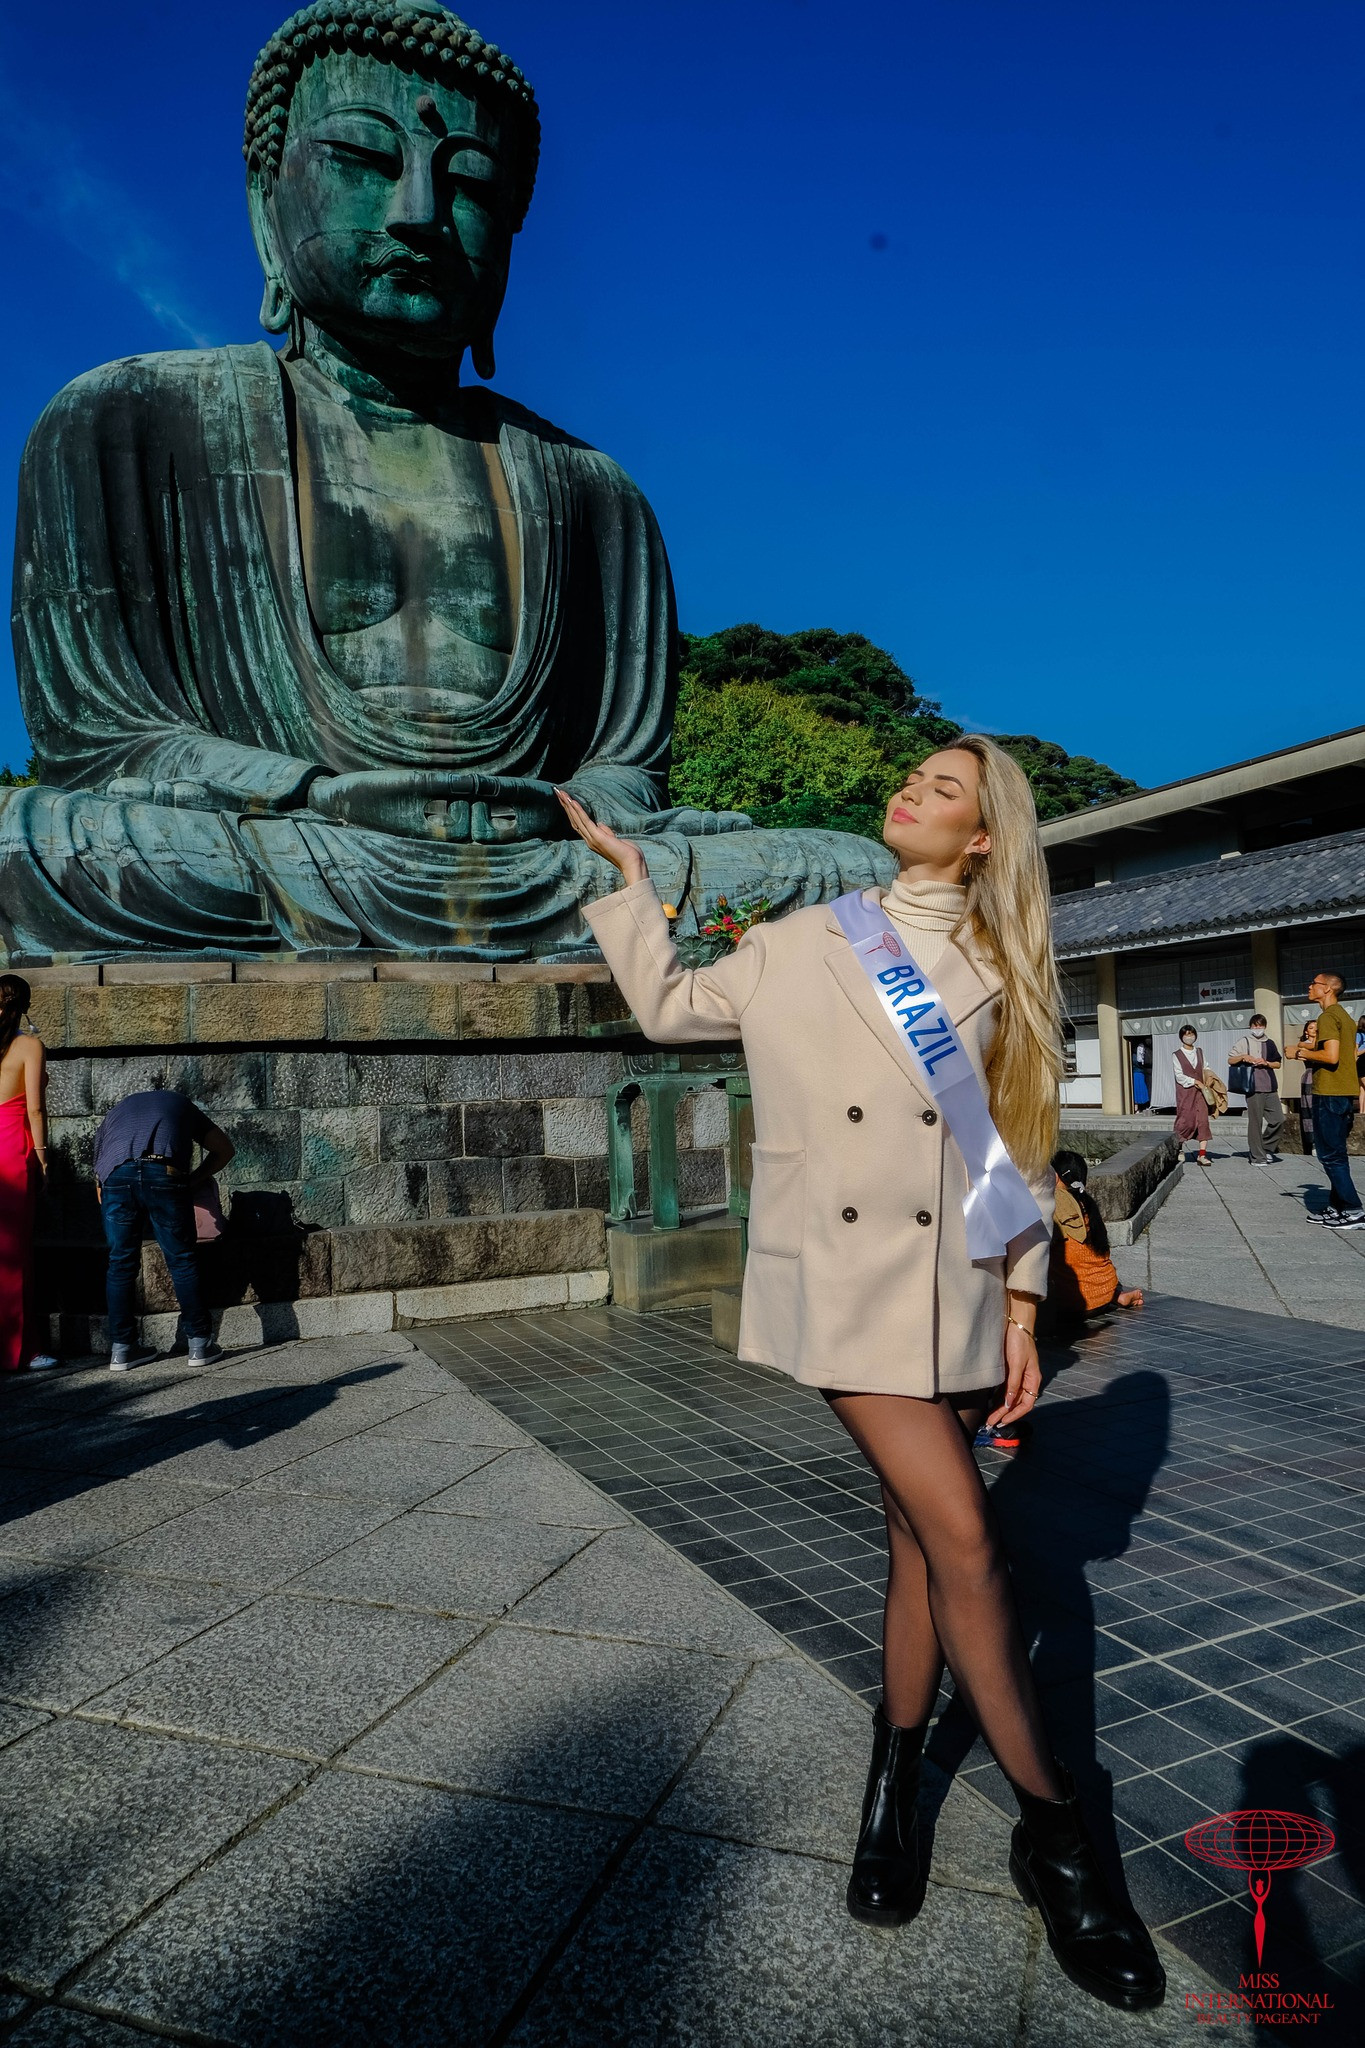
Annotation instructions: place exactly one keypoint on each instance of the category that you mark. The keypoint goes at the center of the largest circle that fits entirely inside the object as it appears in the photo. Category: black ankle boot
(887, 1885)
(1102, 1946)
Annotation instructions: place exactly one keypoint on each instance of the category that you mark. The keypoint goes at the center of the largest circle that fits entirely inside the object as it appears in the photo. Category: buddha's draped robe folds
(180, 701)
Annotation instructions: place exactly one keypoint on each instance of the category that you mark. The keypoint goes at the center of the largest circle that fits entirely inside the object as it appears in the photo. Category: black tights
(948, 1593)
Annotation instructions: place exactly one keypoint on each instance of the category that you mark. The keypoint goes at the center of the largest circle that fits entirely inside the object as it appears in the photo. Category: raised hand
(622, 853)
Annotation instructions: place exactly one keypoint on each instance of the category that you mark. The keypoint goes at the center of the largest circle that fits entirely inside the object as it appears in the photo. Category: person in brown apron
(1191, 1110)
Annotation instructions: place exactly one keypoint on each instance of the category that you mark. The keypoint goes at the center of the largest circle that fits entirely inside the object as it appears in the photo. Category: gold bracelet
(1022, 1326)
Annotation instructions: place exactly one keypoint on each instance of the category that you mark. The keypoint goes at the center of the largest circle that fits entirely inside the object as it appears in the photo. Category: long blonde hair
(1009, 914)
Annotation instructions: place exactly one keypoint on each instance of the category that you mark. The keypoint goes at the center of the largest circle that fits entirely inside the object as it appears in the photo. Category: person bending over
(145, 1173)
(867, 1278)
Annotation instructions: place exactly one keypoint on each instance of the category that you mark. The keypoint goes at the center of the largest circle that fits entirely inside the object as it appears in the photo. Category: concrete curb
(1128, 1229)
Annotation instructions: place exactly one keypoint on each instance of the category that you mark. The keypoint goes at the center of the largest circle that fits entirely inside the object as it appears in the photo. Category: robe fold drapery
(180, 701)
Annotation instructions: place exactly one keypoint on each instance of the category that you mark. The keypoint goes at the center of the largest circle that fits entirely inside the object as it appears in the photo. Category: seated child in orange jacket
(1081, 1274)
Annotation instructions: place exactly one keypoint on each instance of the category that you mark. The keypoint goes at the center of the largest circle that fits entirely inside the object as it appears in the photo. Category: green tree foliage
(749, 747)
(765, 725)
(841, 675)
(9, 780)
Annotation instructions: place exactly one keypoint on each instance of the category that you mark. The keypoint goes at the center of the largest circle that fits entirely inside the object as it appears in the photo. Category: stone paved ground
(1240, 1234)
(335, 1710)
(1185, 1526)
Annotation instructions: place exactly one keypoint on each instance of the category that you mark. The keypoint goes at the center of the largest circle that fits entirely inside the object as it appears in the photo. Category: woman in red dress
(23, 1163)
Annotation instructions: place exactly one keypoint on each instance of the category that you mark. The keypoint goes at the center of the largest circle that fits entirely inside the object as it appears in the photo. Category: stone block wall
(360, 1134)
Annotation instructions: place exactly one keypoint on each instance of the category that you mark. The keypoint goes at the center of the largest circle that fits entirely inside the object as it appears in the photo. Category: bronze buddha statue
(307, 637)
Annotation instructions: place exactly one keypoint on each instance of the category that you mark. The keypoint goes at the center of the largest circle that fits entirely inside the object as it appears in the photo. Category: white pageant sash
(997, 1205)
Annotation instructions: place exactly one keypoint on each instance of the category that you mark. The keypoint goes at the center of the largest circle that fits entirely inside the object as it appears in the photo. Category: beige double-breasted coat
(858, 1276)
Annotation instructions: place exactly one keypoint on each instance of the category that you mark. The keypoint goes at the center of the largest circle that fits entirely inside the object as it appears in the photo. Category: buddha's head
(391, 154)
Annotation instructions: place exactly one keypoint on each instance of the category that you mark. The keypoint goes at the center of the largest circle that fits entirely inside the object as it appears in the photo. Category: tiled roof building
(1315, 882)
(1201, 902)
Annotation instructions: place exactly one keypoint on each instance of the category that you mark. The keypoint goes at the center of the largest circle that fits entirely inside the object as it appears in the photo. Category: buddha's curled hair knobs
(426, 39)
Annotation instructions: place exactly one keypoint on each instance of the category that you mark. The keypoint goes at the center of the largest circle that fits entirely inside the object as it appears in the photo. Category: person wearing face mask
(1258, 1053)
(1191, 1109)
(904, 1049)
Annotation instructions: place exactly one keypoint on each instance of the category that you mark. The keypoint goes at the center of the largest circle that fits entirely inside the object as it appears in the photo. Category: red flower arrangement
(728, 926)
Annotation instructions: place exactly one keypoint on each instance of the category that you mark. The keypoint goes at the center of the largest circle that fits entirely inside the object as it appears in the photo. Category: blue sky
(1023, 338)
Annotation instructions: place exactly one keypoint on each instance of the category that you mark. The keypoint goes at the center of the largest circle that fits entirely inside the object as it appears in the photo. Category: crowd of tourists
(1331, 1048)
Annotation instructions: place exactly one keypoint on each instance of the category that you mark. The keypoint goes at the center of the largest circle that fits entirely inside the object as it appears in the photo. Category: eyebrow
(462, 138)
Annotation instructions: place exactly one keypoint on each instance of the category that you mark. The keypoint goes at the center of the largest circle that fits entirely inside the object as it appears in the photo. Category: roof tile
(1307, 883)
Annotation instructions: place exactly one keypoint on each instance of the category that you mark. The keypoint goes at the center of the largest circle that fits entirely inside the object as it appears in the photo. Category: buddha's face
(389, 221)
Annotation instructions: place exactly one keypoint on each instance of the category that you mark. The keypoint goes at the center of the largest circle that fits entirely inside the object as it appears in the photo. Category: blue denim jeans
(1333, 1116)
(145, 1190)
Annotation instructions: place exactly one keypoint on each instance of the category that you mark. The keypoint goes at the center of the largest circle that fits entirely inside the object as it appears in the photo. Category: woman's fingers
(1023, 1384)
(597, 836)
(583, 825)
(622, 853)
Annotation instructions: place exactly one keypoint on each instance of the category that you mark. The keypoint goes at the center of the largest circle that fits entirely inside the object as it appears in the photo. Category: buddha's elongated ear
(276, 304)
(492, 291)
(481, 355)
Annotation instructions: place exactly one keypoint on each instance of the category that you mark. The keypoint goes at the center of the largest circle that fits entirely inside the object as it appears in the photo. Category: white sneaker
(43, 1361)
(1345, 1219)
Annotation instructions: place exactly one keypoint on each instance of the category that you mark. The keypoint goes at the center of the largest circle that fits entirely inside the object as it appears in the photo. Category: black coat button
(929, 1116)
(855, 1115)
(850, 1215)
(922, 1216)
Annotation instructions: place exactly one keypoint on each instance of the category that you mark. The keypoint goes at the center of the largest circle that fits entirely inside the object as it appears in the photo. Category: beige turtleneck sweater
(926, 912)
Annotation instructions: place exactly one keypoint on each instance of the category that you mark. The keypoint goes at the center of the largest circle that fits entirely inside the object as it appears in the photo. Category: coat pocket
(777, 1203)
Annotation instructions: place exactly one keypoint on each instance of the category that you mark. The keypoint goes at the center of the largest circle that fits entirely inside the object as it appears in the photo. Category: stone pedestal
(414, 1141)
(725, 1318)
(673, 1268)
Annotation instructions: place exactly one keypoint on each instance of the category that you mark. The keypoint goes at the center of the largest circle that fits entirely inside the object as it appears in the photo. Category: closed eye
(387, 162)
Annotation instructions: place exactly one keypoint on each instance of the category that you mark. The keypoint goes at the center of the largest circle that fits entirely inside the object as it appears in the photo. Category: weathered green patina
(307, 638)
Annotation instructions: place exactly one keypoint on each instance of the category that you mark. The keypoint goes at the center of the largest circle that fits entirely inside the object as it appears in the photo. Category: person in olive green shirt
(1336, 1088)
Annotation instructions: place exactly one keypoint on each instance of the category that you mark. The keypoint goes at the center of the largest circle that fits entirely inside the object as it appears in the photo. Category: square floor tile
(97, 1821)
(369, 1949)
(561, 1719)
(71, 1632)
(292, 1674)
(253, 1538)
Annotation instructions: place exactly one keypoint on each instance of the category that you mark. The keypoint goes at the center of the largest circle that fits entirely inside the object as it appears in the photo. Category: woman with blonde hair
(23, 1163)
(903, 1047)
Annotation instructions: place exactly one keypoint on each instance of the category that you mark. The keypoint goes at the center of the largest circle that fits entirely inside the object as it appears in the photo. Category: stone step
(75, 1335)
(244, 1269)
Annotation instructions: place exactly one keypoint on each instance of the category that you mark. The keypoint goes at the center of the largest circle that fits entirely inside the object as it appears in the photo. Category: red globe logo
(1259, 1840)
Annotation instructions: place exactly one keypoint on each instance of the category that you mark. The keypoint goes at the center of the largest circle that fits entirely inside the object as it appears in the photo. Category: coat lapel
(963, 984)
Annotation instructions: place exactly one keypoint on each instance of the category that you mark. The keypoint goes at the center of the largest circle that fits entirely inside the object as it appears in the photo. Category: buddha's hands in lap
(417, 803)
